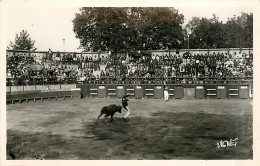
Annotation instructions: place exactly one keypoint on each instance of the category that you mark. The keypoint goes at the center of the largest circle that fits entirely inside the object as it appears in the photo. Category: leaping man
(125, 105)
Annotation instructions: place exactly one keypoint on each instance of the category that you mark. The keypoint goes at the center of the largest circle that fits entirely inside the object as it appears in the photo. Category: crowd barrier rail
(132, 80)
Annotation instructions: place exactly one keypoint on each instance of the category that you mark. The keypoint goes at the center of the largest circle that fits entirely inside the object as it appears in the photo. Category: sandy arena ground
(156, 129)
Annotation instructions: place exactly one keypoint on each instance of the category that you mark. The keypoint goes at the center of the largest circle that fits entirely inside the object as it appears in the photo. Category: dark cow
(110, 111)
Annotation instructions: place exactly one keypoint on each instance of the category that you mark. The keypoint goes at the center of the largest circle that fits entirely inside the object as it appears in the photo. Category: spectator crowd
(142, 68)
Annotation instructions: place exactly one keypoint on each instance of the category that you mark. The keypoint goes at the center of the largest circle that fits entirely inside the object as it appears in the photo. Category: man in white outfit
(166, 94)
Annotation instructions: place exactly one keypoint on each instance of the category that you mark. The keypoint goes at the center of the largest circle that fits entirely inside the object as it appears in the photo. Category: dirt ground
(156, 129)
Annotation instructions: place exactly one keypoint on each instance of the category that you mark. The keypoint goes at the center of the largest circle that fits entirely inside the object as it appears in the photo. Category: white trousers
(127, 113)
(166, 95)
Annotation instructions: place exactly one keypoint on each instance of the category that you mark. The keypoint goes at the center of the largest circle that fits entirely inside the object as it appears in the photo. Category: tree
(128, 29)
(206, 33)
(99, 28)
(240, 30)
(161, 28)
(237, 32)
(22, 42)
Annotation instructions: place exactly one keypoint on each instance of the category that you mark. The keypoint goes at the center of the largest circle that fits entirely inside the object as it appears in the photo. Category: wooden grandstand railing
(137, 80)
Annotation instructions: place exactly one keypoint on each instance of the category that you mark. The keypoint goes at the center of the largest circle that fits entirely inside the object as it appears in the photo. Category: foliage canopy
(22, 41)
(128, 29)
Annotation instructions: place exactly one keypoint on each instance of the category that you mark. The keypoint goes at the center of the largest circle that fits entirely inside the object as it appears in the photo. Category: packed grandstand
(39, 68)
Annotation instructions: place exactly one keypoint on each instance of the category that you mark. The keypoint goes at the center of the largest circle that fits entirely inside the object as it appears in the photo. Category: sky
(49, 24)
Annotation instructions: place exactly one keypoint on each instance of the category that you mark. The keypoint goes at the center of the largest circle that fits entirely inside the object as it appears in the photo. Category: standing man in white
(166, 93)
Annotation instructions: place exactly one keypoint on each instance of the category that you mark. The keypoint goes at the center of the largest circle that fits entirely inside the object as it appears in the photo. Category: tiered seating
(171, 68)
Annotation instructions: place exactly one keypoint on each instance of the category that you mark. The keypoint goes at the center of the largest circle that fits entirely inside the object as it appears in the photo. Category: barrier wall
(42, 87)
(93, 91)
(182, 91)
(120, 91)
(178, 92)
(37, 94)
(16, 88)
(68, 86)
(207, 91)
(221, 92)
(171, 91)
(130, 89)
(102, 91)
(243, 91)
(158, 91)
(211, 91)
(111, 90)
(189, 93)
(21, 95)
(199, 92)
(29, 88)
(251, 90)
(85, 90)
(150, 91)
(232, 91)
(49, 87)
(64, 87)
(8, 89)
(139, 91)
(57, 87)
(76, 92)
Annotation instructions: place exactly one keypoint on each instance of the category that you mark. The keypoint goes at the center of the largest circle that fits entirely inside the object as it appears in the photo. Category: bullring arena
(205, 117)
